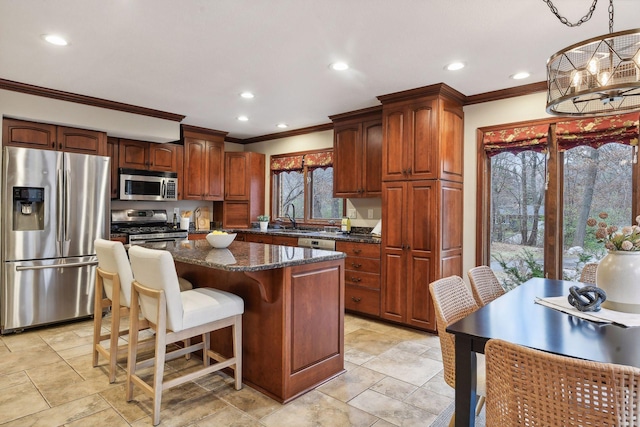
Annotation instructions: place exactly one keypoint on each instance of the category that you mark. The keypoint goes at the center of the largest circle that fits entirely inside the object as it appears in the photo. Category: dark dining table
(515, 317)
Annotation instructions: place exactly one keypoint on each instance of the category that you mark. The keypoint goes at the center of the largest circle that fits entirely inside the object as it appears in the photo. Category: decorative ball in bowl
(220, 239)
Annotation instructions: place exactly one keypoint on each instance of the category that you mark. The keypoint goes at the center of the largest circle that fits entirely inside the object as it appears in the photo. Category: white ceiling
(194, 57)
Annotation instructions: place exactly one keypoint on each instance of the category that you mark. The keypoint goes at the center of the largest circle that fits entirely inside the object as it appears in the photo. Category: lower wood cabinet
(197, 236)
(362, 277)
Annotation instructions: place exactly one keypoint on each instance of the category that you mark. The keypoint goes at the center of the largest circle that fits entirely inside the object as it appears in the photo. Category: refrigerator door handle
(44, 267)
(59, 205)
(67, 205)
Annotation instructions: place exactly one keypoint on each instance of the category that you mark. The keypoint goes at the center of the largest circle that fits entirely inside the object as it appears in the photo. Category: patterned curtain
(516, 140)
(322, 159)
(597, 131)
(286, 164)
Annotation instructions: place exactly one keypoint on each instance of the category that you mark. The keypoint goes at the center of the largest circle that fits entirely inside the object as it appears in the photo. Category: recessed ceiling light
(54, 39)
(243, 118)
(339, 66)
(282, 125)
(521, 75)
(455, 66)
(247, 95)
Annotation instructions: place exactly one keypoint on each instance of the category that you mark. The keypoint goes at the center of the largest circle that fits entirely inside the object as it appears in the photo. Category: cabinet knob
(355, 279)
(357, 251)
(354, 265)
(356, 299)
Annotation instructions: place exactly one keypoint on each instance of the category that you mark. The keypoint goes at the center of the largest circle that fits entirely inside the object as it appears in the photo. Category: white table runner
(603, 316)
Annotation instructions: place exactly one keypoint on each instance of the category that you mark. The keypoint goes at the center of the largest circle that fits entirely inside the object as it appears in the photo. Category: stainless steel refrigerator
(54, 205)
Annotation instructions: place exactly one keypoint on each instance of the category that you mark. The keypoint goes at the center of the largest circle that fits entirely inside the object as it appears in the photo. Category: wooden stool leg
(97, 319)
(237, 350)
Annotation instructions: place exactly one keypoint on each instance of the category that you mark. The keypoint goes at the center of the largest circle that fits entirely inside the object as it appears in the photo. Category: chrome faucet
(292, 219)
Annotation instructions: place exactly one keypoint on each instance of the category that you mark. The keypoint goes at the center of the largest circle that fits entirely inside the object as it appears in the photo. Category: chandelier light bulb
(593, 66)
(604, 77)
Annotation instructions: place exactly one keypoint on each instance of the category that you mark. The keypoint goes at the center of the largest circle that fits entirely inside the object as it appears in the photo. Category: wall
(315, 141)
(116, 123)
(510, 110)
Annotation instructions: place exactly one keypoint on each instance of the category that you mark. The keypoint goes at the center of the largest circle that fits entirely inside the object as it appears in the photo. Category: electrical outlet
(351, 213)
(370, 214)
(176, 211)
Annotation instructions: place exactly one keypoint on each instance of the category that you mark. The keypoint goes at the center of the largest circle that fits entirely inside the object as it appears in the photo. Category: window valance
(286, 164)
(323, 159)
(516, 140)
(597, 131)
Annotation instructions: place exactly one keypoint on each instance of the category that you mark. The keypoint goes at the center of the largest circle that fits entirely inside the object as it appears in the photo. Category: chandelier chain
(582, 20)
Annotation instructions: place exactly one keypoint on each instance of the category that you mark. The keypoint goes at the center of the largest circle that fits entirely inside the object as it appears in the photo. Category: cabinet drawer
(367, 280)
(362, 300)
(257, 238)
(197, 236)
(285, 240)
(368, 250)
(367, 265)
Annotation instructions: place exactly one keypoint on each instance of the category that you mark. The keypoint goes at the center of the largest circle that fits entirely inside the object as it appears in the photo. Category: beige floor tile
(394, 388)
(357, 357)
(22, 360)
(438, 385)
(108, 417)
(64, 414)
(19, 401)
(318, 410)
(371, 342)
(404, 366)
(391, 410)
(28, 340)
(66, 339)
(130, 411)
(350, 384)
(248, 400)
(429, 400)
(14, 379)
(229, 416)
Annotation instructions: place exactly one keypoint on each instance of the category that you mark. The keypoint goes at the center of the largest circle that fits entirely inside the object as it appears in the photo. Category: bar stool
(175, 316)
(113, 281)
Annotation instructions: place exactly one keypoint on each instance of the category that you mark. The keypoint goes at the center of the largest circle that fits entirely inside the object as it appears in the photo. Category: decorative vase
(618, 274)
(264, 225)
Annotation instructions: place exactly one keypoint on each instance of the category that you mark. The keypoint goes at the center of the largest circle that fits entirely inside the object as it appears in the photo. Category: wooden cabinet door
(372, 158)
(451, 141)
(82, 141)
(134, 154)
(113, 153)
(20, 133)
(236, 215)
(195, 168)
(215, 171)
(236, 180)
(393, 287)
(347, 161)
(421, 141)
(393, 127)
(420, 240)
(163, 157)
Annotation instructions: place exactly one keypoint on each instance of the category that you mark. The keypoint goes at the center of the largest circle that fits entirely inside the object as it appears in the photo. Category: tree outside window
(304, 182)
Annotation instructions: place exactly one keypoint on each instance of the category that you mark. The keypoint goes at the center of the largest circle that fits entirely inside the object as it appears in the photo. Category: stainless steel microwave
(148, 185)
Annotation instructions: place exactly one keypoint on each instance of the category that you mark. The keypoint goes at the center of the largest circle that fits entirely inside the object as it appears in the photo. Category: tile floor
(393, 378)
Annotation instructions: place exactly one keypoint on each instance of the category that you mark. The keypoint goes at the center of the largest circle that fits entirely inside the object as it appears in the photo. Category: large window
(302, 185)
(540, 183)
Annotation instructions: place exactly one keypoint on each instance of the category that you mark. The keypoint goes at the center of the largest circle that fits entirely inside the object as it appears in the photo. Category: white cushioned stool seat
(204, 305)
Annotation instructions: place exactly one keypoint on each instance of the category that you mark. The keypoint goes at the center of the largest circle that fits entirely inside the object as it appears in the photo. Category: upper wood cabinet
(50, 137)
(203, 163)
(150, 156)
(113, 152)
(423, 136)
(357, 153)
(243, 188)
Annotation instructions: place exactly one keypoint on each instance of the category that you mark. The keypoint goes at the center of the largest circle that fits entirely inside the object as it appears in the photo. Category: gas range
(145, 225)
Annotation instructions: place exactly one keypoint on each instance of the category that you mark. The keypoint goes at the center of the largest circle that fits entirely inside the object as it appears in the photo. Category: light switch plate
(370, 214)
(351, 213)
(176, 211)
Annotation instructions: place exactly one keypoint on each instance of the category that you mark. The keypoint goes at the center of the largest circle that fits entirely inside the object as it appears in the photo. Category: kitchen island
(293, 324)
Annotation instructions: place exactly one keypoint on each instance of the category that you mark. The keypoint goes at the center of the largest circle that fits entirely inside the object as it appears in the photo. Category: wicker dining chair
(484, 285)
(453, 301)
(588, 274)
(527, 387)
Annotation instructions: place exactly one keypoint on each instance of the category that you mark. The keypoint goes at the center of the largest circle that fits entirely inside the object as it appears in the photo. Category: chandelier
(598, 76)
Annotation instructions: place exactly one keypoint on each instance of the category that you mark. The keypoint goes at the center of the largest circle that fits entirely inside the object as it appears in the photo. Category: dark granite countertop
(353, 237)
(243, 256)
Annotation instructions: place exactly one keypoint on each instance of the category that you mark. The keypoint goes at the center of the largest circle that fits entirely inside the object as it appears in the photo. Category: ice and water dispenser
(28, 208)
